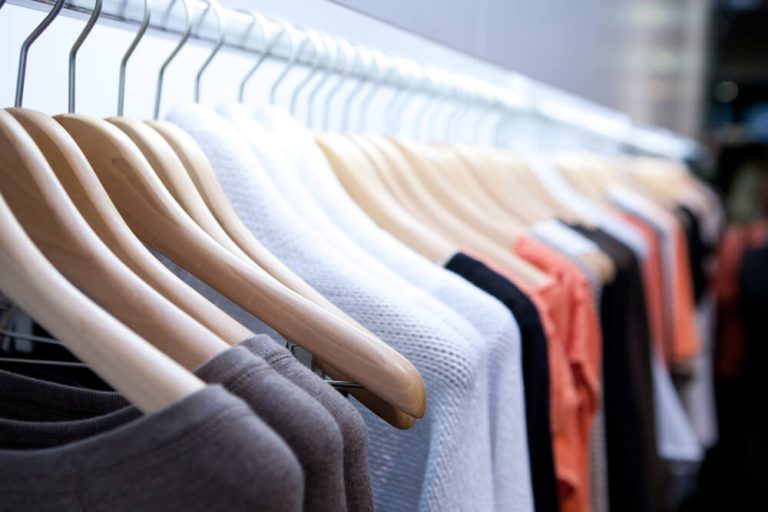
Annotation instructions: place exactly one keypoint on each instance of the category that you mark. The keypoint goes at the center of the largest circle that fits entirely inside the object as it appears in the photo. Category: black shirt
(699, 251)
(535, 373)
(635, 470)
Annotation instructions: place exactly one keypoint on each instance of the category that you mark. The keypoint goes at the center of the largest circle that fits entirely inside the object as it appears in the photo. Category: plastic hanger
(147, 378)
(43, 207)
(159, 221)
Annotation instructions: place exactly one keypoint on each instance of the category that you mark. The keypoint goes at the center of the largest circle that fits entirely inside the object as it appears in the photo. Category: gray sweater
(206, 452)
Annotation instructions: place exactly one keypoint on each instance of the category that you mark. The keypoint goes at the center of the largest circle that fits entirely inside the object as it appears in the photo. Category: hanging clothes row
(225, 309)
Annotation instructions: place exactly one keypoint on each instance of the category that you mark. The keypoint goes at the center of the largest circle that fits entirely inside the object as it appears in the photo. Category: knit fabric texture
(305, 179)
(208, 451)
(443, 462)
(301, 421)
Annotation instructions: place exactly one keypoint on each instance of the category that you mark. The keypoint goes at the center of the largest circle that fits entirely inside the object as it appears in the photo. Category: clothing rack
(514, 95)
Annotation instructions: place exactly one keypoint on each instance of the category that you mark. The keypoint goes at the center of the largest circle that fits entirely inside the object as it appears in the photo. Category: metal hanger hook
(382, 73)
(409, 80)
(27, 44)
(76, 48)
(296, 49)
(432, 93)
(420, 83)
(221, 19)
(331, 56)
(268, 45)
(181, 43)
(347, 61)
(366, 62)
(319, 50)
(127, 56)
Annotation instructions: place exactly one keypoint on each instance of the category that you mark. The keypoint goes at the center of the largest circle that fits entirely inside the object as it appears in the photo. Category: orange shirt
(578, 320)
(686, 339)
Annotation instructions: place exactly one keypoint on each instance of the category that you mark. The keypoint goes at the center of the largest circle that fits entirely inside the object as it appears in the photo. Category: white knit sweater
(435, 465)
(321, 200)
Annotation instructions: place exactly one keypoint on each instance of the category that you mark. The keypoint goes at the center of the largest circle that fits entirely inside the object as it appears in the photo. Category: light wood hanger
(356, 174)
(157, 219)
(516, 178)
(394, 165)
(141, 373)
(184, 168)
(83, 187)
(478, 167)
(166, 164)
(86, 192)
(393, 375)
(427, 165)
(42, 206)
(506, 172)
(573, 170)
(664, 181)
(197, 182)
(203, 178)
(206, 184)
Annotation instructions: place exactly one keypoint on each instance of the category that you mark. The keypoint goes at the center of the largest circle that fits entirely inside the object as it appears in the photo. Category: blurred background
(697, 67)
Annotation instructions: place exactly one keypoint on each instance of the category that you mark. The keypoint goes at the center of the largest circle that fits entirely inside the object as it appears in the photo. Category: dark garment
(208, 451)
(20, 348)
(357, 481)
(305, 425)
(700, 253)
(752, 444)
(635, 470)
(535, 373)
(357, 476)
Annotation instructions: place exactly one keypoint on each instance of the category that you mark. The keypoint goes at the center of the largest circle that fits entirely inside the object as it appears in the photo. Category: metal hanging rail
(527, 97)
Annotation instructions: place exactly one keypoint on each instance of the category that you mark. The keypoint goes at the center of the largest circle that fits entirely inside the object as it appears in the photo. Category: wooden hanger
(159, 151)
(517, 192)
(528, 191)
(164, 161)
(206, 185)
(157, 219)
(88, 195)
(141, 373)
(573, 170)
(356, 174)
(394, 165)
(443, 173)
(661, 180)
(203, 178)
(42, 206)
(480, 167)
(194, 163)
(597, 259)
(192, 342)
